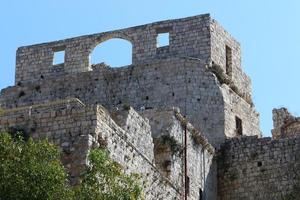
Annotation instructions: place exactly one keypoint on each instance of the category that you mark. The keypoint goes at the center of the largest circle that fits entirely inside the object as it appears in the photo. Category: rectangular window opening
(163, 39)
(238, 126)
(200, 194)
(59, 56)
(259, 164)
(187, 185)
(228, 60)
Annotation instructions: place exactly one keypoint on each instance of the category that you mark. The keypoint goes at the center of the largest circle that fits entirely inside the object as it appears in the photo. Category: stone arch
(106, 37)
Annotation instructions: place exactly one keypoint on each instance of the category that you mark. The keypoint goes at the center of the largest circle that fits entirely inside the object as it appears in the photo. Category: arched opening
(113, 52)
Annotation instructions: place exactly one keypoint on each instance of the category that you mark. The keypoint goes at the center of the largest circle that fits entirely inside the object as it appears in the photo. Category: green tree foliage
(32, 170)
(104, 180)
(1, 112)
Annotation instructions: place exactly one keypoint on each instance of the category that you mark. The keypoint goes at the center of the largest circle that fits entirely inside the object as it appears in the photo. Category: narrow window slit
(238, 126)
(228, 60)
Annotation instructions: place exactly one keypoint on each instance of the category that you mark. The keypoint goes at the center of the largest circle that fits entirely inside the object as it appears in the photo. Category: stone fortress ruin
(180, 115)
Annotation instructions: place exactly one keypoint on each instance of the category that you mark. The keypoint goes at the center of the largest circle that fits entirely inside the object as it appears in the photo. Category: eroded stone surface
(141, 112)
(259, 168)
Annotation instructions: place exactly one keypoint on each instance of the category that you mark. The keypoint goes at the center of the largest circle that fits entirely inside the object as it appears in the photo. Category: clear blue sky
(269, 31)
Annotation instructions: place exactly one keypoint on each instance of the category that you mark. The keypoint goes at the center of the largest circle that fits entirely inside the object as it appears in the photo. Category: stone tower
(194, 85)
(199, 71)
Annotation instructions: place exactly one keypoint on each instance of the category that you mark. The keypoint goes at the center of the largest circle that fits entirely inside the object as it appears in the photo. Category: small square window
(59, 57)
(163, 39)
(259, 164)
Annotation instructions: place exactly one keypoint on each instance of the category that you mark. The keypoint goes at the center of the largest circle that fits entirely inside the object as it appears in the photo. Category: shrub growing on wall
(104, 179)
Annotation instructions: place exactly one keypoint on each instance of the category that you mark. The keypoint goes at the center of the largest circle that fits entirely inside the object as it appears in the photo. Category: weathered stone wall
(235, 106)
(77, 129)
(66, 123)
(253, 168)
(168, 125)
(181, 74)
(235, 84)
(199, 72)
(220, 38)
(162, 83)
(188, 37)
(285, 124)
(131, 145)
(138, 130)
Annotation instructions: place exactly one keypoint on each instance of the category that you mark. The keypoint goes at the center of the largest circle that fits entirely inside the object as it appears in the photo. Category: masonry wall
(191, 73)
(166, 124)
(132, 147)
(285, 124)
(237, 107)
(66, 123)
(188, 37)
(77, 129)
(220, 38)
(236, 86)
(181, 74)
(162, 83)
(252, 168)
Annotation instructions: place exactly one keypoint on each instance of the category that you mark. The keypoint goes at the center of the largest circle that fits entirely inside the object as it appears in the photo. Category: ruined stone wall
(188, 37)
(220, 38)
(168, 125)
(162, 83)
(285, 124)
(253, 168)
(137, 128)
(66, 123)
(237, 107)
(235, 84)
(194, 72)
(77, 129)
(132, 147)
(181, 74)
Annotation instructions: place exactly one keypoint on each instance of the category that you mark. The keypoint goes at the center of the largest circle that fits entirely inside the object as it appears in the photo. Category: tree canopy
(32, 170)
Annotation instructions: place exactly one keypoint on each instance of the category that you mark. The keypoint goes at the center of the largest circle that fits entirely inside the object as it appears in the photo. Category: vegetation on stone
(175, 147)
(1, 111)
(32, 170)
(104, 179)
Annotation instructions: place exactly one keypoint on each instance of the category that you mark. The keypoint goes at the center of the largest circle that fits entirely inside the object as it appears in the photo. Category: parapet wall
(198, 37)
(252, 168)
(187, 37)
